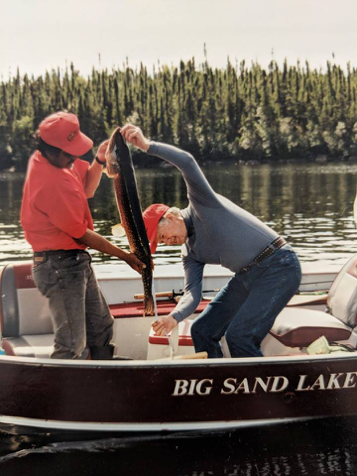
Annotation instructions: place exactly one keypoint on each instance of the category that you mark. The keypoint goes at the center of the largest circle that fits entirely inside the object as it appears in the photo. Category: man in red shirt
(58, 224)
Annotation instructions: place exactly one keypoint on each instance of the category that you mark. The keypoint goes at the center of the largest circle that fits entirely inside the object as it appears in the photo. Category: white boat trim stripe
(141, 427)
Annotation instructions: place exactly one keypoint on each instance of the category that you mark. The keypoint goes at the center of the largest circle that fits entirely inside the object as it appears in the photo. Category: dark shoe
(102, 353)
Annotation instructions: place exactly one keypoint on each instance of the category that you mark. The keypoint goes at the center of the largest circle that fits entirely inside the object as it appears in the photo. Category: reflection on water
(311, 449)
(310, 205)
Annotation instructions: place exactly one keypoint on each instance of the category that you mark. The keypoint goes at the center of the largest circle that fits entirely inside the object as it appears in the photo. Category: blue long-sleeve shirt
(218, 231)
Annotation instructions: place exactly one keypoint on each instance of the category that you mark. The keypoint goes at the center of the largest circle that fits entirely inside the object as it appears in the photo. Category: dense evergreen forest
(245, 112)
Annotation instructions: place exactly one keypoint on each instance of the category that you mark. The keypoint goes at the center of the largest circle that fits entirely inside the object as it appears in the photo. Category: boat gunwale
(230, 361)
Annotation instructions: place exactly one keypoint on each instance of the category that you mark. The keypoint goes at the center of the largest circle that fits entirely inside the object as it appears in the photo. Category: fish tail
(149, 308)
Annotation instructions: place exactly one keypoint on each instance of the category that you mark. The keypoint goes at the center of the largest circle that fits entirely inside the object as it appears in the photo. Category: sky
(38, 35)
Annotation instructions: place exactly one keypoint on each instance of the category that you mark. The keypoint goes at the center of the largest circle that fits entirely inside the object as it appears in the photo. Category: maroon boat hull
(142, 397)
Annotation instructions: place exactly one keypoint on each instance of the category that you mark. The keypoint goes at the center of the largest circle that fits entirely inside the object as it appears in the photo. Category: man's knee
(198, 330)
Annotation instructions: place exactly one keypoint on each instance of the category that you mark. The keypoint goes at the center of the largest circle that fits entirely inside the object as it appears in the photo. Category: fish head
(116, 145)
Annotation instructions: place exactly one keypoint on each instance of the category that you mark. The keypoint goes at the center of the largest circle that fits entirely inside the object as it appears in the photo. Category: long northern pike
(120, 167)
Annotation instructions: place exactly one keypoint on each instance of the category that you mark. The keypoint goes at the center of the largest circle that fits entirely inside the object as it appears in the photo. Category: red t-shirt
(54, 206)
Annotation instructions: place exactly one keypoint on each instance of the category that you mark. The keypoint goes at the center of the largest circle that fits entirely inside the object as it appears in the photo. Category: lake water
(311, 206)
(314, 449)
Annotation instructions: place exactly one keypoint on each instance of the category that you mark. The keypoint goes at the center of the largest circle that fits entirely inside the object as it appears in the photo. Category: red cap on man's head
(61, 130)
(152, 216)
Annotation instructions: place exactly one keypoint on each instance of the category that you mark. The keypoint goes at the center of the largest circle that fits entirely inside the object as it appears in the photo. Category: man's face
(172, 231)
(66, 160)
(62, 160)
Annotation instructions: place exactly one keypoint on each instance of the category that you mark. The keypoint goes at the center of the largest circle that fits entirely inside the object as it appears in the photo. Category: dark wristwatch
(100, 162)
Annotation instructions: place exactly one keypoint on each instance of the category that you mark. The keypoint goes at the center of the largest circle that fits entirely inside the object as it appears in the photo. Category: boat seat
(296, 328)
(299, 327)
(342, 296)
(307, 300)
(25, 316)
(40, 346)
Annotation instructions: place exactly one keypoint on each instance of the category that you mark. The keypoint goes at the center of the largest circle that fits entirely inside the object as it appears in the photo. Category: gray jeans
(80, 313)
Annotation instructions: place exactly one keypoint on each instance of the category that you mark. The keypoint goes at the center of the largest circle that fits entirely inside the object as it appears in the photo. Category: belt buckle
(38, 259)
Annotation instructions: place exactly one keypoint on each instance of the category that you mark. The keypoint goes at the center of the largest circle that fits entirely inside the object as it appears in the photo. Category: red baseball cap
(152, 216)
(61, 130)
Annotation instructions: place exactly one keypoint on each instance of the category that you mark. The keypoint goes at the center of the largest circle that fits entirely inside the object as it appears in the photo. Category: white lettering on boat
(328, 383)
(269, 384)
(333, 381)
(192, 387)
(278, 384)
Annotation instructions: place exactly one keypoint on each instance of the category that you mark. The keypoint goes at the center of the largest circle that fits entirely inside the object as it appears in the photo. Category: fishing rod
(172, 294)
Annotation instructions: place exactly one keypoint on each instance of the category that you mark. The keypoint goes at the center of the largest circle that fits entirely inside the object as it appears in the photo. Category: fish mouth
(117, 147)
(111, 158)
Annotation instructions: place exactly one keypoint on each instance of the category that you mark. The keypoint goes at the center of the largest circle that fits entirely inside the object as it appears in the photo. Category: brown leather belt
(268, 251)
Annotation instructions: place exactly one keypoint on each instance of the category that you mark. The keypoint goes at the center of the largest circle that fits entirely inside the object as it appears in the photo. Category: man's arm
(99, 243)
(95, 170)
(198, 188)
(189, 301)
(193, 289)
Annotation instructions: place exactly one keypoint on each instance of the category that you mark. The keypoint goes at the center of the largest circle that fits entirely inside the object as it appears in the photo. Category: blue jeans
(79, 311)
(245, 309)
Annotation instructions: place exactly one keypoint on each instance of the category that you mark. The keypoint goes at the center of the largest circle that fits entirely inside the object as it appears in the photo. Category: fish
(120, 167)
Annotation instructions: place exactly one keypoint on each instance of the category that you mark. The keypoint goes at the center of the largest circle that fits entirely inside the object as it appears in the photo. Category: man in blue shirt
(214, 230)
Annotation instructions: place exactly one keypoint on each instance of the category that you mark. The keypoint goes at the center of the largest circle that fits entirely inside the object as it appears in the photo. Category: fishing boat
(166, 386)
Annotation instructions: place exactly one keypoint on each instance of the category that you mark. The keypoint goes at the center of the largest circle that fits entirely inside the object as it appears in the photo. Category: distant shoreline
(247, 114)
